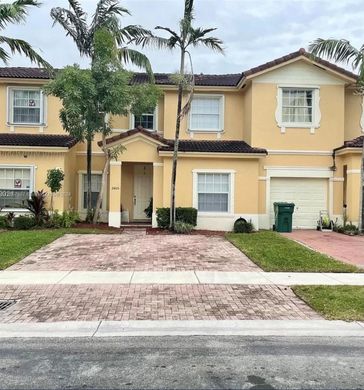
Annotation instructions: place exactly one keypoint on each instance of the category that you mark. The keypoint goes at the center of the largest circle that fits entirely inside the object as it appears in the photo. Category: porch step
(136, 226)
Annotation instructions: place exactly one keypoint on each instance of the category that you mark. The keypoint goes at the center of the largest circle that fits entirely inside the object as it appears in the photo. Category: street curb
(292, 328)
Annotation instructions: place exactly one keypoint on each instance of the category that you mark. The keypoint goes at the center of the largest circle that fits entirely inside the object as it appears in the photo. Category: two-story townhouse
(288, 130)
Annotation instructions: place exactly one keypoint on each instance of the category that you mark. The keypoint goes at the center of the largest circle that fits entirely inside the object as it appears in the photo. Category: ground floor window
(15, 186)
(213, 192)
(95, 189)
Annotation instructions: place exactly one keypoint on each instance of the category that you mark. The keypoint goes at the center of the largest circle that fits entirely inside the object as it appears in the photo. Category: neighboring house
(288, 130)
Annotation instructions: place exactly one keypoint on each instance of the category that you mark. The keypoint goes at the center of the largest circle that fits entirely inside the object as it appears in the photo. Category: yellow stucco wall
(266, 133)
(353, 113)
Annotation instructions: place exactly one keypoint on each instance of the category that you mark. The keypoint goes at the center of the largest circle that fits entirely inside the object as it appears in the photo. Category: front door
(143, 189)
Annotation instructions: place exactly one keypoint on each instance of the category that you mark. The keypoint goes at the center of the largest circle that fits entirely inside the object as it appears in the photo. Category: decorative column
(115, 194)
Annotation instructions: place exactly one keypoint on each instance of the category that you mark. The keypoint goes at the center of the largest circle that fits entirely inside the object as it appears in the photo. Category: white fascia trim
(348, 150)
(316, 113)
(221, 114)
(213, 170)
(156, 164)
(213, 155)
(9, 107)
(300, 152)
(195, 173)
(353, 171)
(116, 163)
(339, 179)
(84, 153)
(35, 148)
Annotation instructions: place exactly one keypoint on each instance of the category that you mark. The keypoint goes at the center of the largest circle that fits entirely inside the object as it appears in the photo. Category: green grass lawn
(334, 302)
(275, 253)
(16, 244)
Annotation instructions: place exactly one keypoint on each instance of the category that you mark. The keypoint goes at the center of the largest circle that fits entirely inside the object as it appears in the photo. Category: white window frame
(316, 113)
(231, 205)
(10, 107)
(81, 191)
(31, 184)
(221, 113)
(155, 121)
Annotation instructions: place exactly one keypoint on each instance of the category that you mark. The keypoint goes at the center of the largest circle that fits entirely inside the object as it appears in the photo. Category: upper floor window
(26, 106)
(147, 120)
(298, 107)
(206, 113)
(15, 186)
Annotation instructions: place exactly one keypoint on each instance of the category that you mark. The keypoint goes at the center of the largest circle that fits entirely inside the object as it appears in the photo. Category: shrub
(24, 222)
(149, 210)
(3, 222)
(183, 227)
(65, 220)
(183, 214)
(36, 205)
(241, 225)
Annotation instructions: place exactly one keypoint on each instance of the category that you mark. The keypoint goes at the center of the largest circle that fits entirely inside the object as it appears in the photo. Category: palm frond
(134, 57)
(153, 41)
(75, 27)
(23, 47)
(15, 12)
(170, 31)
(188, 11)
(131, 33)
(211, 43)
(104, 10)
(338, 50)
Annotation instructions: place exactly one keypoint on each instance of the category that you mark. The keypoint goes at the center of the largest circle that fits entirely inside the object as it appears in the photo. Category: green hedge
(183, 214)
(24, 222)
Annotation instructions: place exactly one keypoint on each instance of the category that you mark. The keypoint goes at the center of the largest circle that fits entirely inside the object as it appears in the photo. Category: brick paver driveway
(137, 252)
(349, 249)
(48, 303)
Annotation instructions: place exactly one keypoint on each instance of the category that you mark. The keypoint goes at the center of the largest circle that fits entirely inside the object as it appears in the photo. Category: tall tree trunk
(361, 210)
(88, 173)
(103, 180)
(176, 143)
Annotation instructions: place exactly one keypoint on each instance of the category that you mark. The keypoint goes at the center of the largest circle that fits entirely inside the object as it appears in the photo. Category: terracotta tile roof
(24, 73)
(353, 143)
(190, 145)
(37, 140)
(138, 130)
(296, 54)
(212, 80)
(193, 146)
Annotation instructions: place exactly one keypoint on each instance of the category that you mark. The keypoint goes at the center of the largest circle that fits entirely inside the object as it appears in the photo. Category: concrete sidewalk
(294, 328)
(179, 277)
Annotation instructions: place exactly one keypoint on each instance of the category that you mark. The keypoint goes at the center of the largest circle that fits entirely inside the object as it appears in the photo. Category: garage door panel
(308, 195)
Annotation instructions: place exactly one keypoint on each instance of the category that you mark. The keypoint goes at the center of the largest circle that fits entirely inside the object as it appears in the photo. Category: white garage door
(309, 196)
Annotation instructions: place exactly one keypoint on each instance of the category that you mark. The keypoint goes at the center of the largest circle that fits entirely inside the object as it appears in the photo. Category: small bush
(3, 222)
(65, 220)
(183, 214)
(24, 222)
(241, 225)
(183, 227)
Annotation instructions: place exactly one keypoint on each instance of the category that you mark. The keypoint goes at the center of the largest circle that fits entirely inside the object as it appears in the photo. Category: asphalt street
(203, 362)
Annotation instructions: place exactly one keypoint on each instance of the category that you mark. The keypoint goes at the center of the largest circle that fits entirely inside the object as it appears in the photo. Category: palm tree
(17, 12)
(340, 50)
(75, 22)
(187, 37)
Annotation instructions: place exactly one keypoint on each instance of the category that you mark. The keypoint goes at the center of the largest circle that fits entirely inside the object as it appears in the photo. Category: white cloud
(253, 32)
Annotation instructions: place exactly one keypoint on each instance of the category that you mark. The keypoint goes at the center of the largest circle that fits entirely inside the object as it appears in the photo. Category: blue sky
(253, 32)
